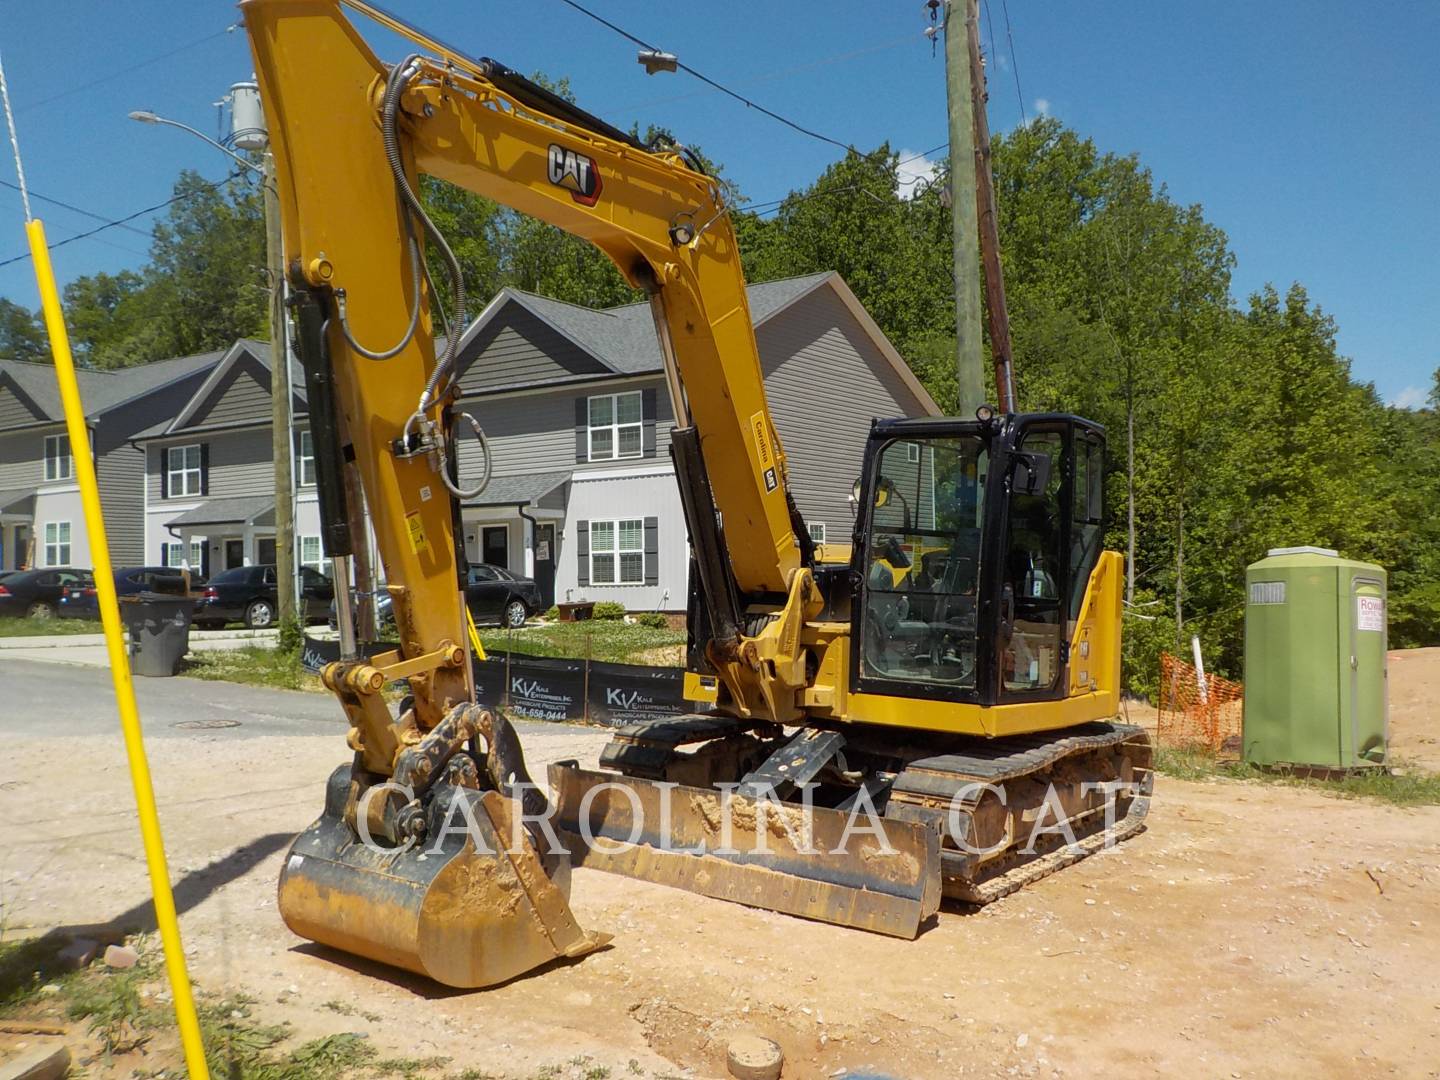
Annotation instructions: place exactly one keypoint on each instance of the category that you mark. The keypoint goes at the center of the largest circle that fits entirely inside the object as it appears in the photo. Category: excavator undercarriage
(861, 830)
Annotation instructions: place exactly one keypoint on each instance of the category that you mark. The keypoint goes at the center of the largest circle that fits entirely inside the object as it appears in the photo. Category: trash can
(159, 630)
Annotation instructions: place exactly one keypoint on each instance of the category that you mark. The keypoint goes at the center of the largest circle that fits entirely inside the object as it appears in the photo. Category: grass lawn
(1405, 787)
(19, 626)
(599, 639)
(254, 665)
(617, 642)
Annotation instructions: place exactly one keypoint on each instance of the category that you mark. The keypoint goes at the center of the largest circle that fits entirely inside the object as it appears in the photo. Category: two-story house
(41, 520)
(208, 493)
(573, 403)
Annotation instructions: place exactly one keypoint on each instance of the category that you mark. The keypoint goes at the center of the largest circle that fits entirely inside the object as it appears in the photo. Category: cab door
(1034, 595)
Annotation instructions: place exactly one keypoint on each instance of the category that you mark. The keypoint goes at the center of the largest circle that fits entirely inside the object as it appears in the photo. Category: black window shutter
(164, 472)
(204, 468)
(582, 550)
(652, 551)
(582, 429)
(164, 554)
(647, 406)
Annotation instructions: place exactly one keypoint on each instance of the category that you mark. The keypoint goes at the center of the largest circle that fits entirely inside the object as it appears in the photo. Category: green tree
(22, 337)
(204, 286)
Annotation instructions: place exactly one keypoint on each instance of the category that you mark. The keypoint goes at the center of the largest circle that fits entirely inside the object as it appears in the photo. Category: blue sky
(1308, 130)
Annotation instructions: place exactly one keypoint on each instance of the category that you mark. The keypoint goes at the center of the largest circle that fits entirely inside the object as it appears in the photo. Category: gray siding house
(583, 495)
(41, 520)
(208, 492)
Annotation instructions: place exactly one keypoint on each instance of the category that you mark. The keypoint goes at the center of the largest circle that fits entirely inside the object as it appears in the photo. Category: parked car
(82, 602)
(497, 595)
(384, 612)
(248, 594)
(37, 593)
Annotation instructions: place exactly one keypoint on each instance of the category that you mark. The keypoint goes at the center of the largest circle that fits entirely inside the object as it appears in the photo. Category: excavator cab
(974, 544)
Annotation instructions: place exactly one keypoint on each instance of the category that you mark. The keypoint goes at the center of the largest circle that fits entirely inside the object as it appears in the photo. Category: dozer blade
(474, 909)
(839, 872)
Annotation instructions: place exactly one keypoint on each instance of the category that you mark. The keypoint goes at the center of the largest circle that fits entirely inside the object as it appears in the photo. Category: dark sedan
(81, 601)
(37, 593)
(497, 595)
(248, 594)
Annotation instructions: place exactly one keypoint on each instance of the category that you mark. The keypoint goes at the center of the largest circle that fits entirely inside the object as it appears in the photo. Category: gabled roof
(101, 391)
(244, 348)
(623, 338)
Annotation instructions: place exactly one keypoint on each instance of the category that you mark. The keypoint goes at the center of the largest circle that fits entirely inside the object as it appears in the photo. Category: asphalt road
(63, 700)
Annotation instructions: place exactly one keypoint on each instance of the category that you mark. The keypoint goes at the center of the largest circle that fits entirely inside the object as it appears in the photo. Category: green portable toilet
(1315, 671)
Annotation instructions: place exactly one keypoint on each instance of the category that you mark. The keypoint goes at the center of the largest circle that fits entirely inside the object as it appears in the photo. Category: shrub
(552, 613)
(653, 619)
(609, 610)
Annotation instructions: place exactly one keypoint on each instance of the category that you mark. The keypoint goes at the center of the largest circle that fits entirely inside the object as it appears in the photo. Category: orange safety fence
(1198, 714)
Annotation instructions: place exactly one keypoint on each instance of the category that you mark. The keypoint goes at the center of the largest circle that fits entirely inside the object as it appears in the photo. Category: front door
(234, 553)
(495, 545)
(545, 556)
(22, 557)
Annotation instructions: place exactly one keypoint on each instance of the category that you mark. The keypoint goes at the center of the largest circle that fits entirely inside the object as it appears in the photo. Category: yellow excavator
(932, 718)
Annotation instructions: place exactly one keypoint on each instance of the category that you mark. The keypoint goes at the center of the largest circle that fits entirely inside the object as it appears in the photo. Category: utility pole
(959, 92)
(995, 305)
(281, 431)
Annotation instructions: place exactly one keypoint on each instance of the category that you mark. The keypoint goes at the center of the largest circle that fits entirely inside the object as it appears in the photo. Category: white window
(59, 462)
(912, 453)
(305, 461)
(177, 556)
(57, 543)
(182, 471)
(617, 552)
(310, 553)
(817, 531)
(617, 428)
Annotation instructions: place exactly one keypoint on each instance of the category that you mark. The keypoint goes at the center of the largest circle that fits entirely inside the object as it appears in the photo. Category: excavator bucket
(817, 863)
(469, 909)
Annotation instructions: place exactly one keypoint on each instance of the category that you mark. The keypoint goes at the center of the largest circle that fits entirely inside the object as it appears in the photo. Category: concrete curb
(67, 641)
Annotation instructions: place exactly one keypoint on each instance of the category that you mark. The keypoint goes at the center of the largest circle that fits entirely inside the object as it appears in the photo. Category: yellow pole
(119, 658)
(475, 645)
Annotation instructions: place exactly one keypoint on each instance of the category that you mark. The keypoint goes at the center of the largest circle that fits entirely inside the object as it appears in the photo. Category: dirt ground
(1250, 931)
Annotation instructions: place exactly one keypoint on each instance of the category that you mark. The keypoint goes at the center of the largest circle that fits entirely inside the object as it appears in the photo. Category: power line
(1014, 66)
(68, 206)
(770, 76)
(118, 222)
(709, 81)
(69, 91)
(772, 206)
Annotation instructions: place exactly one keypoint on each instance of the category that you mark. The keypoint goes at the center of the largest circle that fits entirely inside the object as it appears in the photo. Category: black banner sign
(547, 688)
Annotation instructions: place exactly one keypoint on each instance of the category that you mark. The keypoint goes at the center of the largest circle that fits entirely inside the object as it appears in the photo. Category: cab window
(923, 561)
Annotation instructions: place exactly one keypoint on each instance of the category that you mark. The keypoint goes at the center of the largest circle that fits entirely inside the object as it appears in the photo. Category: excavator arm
(350, 136)
(344, 130)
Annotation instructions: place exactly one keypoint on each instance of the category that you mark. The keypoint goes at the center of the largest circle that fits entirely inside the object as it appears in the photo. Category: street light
(250, 134)
(144, 116)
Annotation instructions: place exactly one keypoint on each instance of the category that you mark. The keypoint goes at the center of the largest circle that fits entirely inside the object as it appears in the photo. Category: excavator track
(1028, 804)
(1024, 767)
